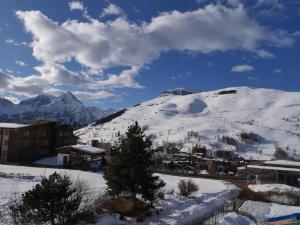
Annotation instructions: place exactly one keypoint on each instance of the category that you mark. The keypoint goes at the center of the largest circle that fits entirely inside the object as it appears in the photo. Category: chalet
(105, 145)
(80, 156)
(277, 171)
(25, 143)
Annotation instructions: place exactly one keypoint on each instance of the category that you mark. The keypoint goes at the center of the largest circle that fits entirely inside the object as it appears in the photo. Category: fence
(284, 199)
(231, 206)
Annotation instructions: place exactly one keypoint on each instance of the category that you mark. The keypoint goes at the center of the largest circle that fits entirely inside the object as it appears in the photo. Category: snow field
(212, 194)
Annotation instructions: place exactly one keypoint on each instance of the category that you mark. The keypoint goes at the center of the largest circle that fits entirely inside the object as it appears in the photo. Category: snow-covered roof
(88, 149)
(273, 168)
(12, 125)
(277, 188)
(283, 162)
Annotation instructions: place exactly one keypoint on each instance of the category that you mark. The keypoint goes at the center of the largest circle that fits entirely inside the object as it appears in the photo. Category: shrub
(187, 188)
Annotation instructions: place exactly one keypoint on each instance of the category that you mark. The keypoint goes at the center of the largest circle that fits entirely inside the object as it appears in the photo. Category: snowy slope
(66, 108)
(276, 188)
(272, 115)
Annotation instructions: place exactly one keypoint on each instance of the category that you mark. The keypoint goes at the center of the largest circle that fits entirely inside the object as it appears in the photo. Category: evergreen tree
(129, 173)
(54, 201)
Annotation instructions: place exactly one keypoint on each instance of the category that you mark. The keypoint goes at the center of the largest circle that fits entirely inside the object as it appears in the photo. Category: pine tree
(54, 201)
(129, 173)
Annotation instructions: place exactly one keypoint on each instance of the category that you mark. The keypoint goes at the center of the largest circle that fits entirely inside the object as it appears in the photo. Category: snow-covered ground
(276, 188)
(212, 194)
(235, 219)
(273, 115)
(262, 210)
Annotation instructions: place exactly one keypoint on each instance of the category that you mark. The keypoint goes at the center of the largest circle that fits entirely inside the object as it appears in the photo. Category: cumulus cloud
(36, 84)
(112, 9)
(75, 5)
(242, 68)
(264, 54)
(100, 45)
(277, 71)
(96, 45)
(21, 63)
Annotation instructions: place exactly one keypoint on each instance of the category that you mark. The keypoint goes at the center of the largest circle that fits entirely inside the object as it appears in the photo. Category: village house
(25, 143)
(81, 157)
(277, 171)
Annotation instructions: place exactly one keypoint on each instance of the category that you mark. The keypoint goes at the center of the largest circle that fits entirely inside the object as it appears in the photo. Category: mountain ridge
(65, 108)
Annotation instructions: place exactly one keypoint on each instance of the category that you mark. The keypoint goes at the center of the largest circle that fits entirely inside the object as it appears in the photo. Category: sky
(117, 53)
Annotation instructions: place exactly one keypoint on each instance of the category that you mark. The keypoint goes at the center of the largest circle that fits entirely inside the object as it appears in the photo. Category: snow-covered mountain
(251, 121)
(66, 109)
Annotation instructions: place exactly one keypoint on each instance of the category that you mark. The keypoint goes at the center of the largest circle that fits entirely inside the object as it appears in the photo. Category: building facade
(25, 143)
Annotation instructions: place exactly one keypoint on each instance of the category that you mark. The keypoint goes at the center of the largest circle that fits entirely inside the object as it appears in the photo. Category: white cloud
(21, 63)
(297, 33)
(253, 79)
(75, 5)
(12, 99)
(112, 9)
(264, 54)
(33, 85)
(100, 45)
(96, 45)
(242, 68)
(15, 43)
(277, 71)
(93, 95)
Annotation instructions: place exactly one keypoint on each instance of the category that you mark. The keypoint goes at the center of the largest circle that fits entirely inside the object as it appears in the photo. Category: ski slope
(272, 115)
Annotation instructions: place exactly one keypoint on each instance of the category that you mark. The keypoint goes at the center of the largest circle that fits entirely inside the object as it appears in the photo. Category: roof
(273, 168)
(87, 149)
(13, 125)
(47, 161)
(284, 163)
(276, 188)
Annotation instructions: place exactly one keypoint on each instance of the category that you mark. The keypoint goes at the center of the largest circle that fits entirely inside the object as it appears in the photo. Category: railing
(231, 206)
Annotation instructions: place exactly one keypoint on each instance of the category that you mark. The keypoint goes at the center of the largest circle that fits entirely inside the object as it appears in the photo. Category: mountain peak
(40, 100)
(5, 102)
(177, 91)
(68, 97)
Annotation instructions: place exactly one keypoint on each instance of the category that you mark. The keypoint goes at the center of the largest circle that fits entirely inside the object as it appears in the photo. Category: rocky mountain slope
(66, 109)
(252, 122)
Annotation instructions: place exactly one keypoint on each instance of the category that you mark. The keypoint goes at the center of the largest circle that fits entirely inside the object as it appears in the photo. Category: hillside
(65, 108)
(252, 122)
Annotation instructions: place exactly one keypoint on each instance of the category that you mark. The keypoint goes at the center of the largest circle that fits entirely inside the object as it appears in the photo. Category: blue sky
(119, 53)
